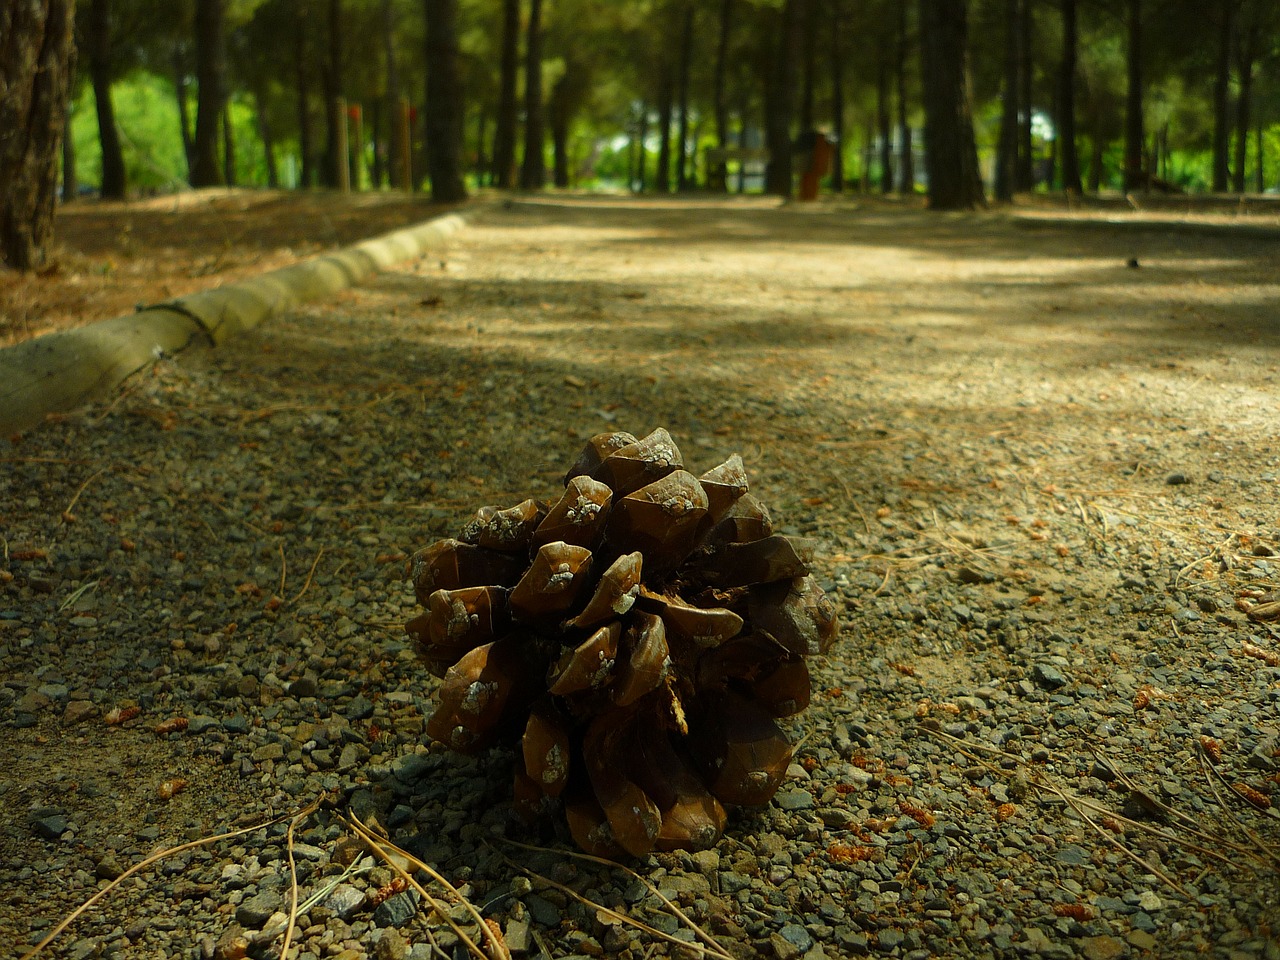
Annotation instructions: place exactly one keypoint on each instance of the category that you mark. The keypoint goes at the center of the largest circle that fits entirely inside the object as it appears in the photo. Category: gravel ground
(1040, 461)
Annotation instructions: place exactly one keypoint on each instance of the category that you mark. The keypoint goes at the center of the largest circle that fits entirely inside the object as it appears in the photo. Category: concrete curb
(61, 371)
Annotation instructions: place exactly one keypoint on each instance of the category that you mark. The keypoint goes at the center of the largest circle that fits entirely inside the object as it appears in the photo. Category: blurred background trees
(630, 94)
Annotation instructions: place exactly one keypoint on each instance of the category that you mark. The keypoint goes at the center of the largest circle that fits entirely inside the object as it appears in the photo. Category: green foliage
(147, 116)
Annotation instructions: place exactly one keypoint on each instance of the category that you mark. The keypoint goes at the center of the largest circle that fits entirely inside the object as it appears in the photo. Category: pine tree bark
(181, 89)
(666, 108)
(533, 167)
(837, 98)
(682, 141)
(306, 137)
(1244, 105)
(1134, 127)
(779, 108)
(1069, 157)
(99, 41)
(1026, 177)
(1006, 177)
(504, 137)
(718, 177)
(885, 124)
(559, 113)
(210, 73)
(34, 72)
(951, 156)
(395, 149)
(70, 185)
(228, 146)
(445, 107)
(906, 166)
(336, 170)
(1222, 97)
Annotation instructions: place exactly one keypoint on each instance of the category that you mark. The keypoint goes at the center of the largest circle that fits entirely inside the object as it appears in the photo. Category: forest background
(629, 94)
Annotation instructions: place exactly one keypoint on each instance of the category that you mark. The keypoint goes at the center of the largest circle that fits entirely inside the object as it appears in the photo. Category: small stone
(891, 940)
(345, 901)
(797, 935)
(412, 767)
(303, 687)
(1101, 948)
(202, 723)
(794, 799)
(253, 913)
(78, 711)
(1073, 854)
(518, 936)
(1048, 677)
(391, 945)
(232, 945)
(268, 751)
(1149, 900)
(51, 827)
(783, 949)
(1141, 939)
(360, 708)
(544, 913)
(1177, 479)
(398, 910)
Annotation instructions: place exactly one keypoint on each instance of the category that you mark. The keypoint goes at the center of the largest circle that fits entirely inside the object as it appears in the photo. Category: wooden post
(341, 160)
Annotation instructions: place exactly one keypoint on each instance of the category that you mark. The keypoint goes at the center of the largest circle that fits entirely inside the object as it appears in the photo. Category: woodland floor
(1038, 449)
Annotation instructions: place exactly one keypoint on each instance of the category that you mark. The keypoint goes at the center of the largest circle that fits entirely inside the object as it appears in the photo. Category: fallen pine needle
(142, 865)
(384, 848)
(712, 946)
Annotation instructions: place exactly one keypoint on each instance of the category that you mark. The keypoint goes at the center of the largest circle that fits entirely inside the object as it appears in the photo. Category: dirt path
(1039, 459)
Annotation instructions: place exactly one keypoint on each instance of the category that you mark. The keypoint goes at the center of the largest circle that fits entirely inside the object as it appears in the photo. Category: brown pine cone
(639, 637)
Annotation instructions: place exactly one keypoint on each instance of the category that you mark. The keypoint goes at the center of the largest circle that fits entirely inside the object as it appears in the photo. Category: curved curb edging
(61, 371)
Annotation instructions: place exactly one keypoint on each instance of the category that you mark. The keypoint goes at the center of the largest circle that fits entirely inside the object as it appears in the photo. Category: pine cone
(639, 637)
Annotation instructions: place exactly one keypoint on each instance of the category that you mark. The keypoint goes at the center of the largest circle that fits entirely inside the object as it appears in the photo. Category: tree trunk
(34, 73)
(267, 135)
(99, 42)
(808, 62)
(779, 108)
(951, 156)
(1026, 175)
(686, 56)
(906, 166)
(446, 110)
(718, 177)
(397, 176)
(1248, 51)
(533, 168)
(1006, 178)
(837, 99)
(1134, 130)
(228, 146)
(210, 73)
(1069, 158)
(70, 185)
(307, 174)
(482, 165)
(504, 137)
(559, 111)
(885, 124)
(336, 170)
(666, 100)
(1222, 97)
(181, 89)
(643, 162)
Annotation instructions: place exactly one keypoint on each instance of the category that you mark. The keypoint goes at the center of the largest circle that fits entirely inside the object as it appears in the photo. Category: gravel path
(1041, 464)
